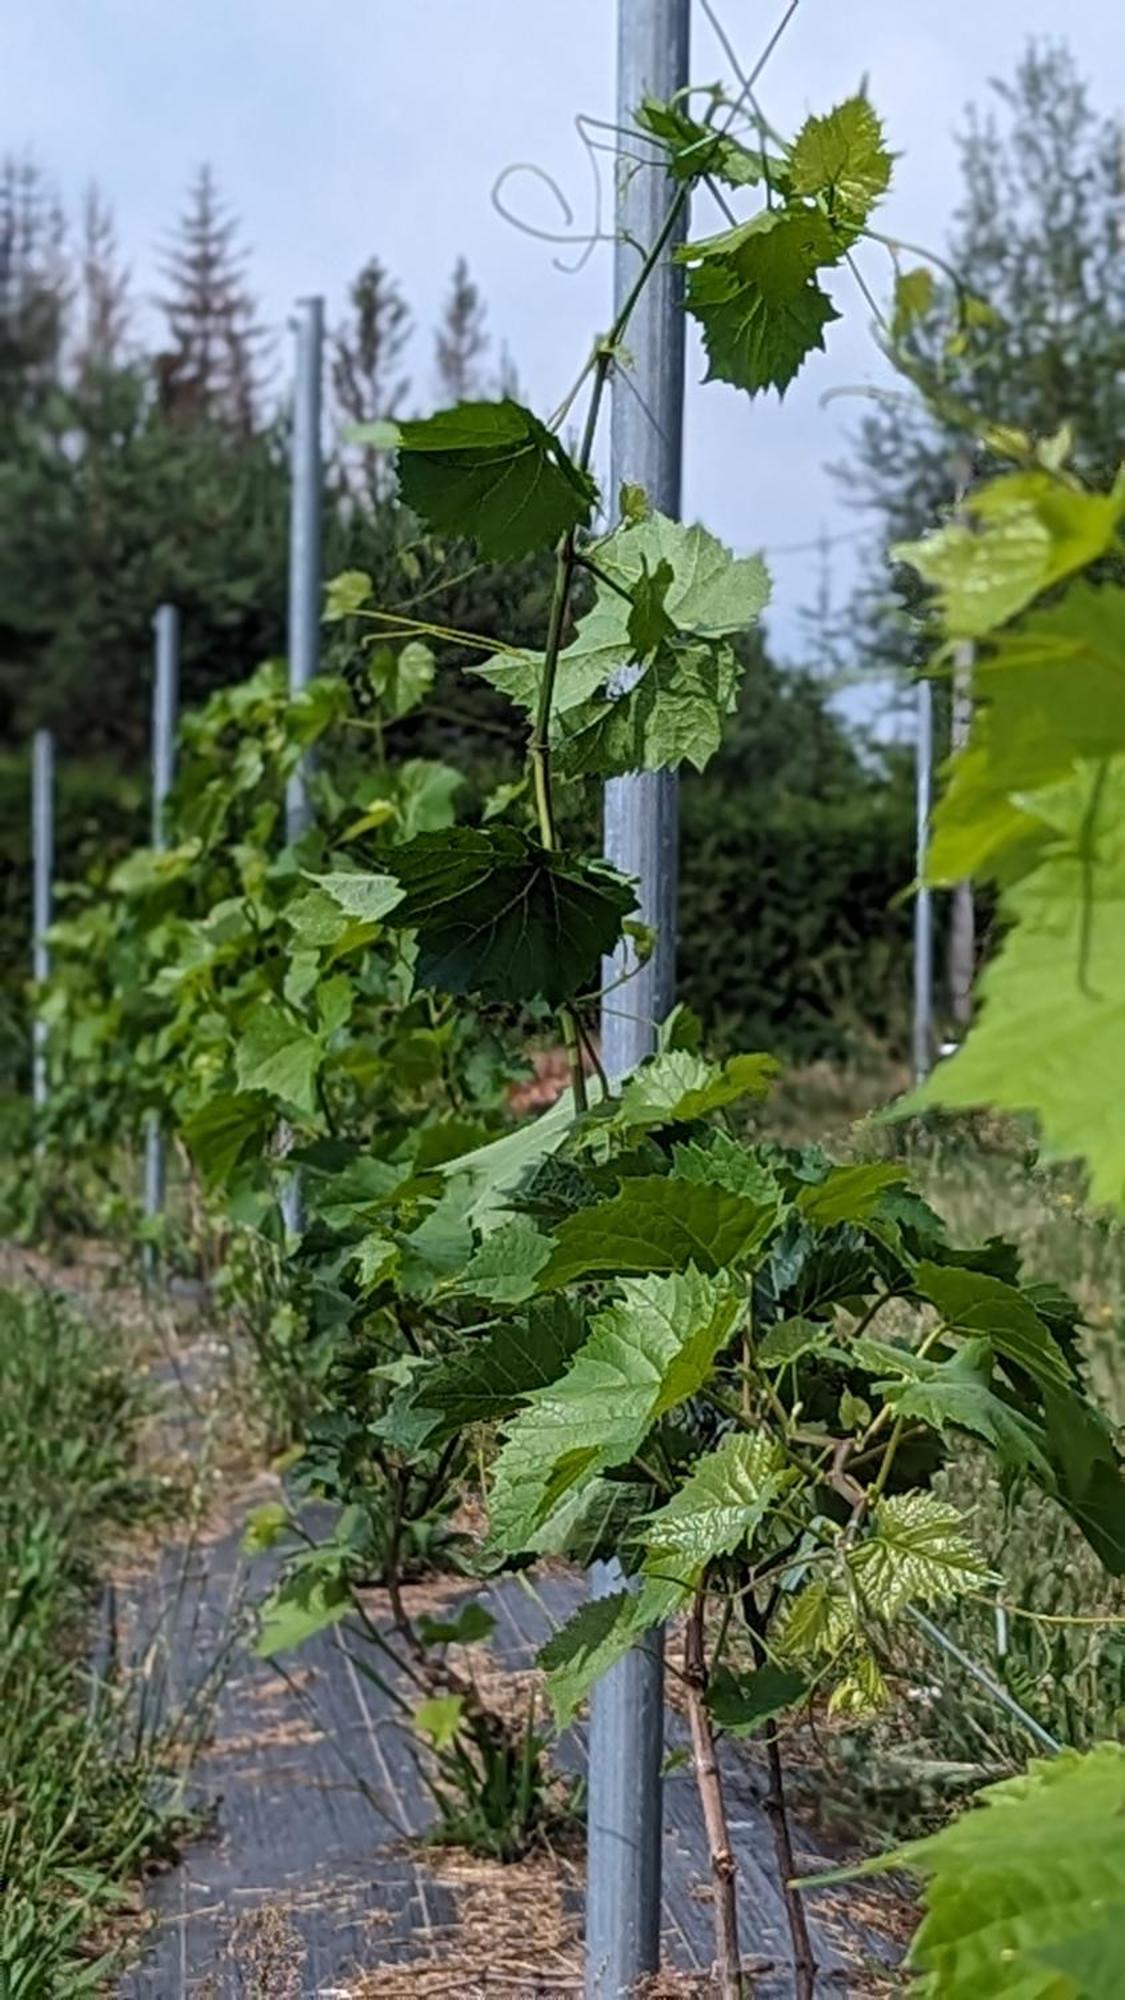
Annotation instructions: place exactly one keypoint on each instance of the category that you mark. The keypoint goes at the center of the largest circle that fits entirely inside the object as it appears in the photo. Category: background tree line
(135, 468)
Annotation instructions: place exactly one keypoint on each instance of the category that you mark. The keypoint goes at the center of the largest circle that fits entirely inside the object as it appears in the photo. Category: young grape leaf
(606, 717)
(1025, 1892)
(360, 895)
(506, 1265)
(494, 473)
(755, 296)
(277, 1054)
(740, 1703)
(657, 1223)
(919, 1552)
(842, 157)
(499, 915)
(722, 1503)
(647, 1352)
(670, 1089)
(695, 149)
(720, 1160)
(597, 1636)
(1028, 530)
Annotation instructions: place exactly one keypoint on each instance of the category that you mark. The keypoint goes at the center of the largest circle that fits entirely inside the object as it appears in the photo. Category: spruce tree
(105, 302)
(213, 368)
(367, 351)
(36, 287)
(461, 339)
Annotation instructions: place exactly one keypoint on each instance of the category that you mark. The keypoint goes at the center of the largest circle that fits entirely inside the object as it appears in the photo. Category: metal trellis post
(43, 868)
(304, 536)
(624, 1818)
(165, 700)
(923, 1049)
(306, 482)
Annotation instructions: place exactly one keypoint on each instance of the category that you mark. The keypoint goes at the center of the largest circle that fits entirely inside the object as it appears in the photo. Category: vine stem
(728, 1958)
(804, 1965)
(566, 564)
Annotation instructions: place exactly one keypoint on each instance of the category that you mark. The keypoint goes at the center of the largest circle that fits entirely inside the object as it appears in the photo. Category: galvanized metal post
(962, 914)
(923, 1040)
(304, 535)
(42, 875)
(165, 700)
(624, 1813)
(306, 482)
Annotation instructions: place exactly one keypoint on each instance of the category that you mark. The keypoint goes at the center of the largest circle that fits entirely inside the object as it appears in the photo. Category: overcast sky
(353, 127)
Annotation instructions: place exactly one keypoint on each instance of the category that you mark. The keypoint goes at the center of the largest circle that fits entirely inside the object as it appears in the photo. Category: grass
(88, 1795)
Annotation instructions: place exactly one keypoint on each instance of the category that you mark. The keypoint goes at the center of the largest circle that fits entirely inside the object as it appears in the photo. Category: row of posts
(625, 1821)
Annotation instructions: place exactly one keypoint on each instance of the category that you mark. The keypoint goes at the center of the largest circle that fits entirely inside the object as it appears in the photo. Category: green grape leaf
(363, 897)
(402, 677)
(844, 158)
(505, 1267)
(722, 1503)
(721, 1161)
(1025, 1892)
(1088, 1477)
(958, 1392)
(345, 594)
(670, 1089)
(1026, 532)
(788, 1339)
(648, 625)
(495, 474)
(494, 1170)
(472, 1623)
(695, 150)
(499, 915)
(755, 296)
(280, 1056)
(672, 714)
(918, 1553)
(1051, 1028)
(817, 1623)
(740, 1703)
(914, 295)
(610, 715)
(848, 1194)
(1050, 695)
(981, 1306)
(657, 1223)
(303, 1604)
(492, 1376)
(439, 1718)
(597, 1636)
(224, 1130)
(647, 1352)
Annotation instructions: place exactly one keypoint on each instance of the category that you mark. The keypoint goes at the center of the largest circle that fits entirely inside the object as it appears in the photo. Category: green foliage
(495, 469)
(498, 914)
(1036, 799)
(629, 697)
(1026, 1892)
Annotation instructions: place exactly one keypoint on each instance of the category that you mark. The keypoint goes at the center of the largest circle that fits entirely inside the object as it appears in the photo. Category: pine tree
(367, 350)
(461, 339)
(36, 287)
(213, 370)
